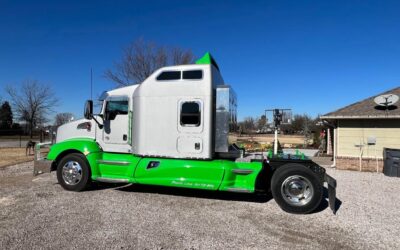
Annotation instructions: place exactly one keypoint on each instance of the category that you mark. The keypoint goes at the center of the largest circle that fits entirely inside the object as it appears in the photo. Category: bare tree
(32, 103)
(248, 124)
(180, 56)
(262, 122)
(62, 118)
(140, 59)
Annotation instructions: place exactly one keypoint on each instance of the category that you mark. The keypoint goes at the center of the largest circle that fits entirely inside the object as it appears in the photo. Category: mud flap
(331, 192)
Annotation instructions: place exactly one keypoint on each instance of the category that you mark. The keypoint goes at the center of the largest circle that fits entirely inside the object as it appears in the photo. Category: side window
(190, 114)
(116, 107)
(193, 75)
(169, 75)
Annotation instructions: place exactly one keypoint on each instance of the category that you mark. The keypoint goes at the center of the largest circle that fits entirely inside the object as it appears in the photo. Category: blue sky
(311, 56)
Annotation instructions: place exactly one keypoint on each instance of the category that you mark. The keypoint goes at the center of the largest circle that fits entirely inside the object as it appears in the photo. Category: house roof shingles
(367, 108)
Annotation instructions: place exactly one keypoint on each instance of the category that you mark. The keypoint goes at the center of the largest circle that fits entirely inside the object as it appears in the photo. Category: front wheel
(296, 189)
(73, 172)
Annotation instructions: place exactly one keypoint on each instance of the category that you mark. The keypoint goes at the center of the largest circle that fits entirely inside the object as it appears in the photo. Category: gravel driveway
(35, 212)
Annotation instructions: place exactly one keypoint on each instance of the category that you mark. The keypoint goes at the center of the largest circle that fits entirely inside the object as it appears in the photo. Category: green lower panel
(112, 165)
(200, 174)
(180, 173)
(240, 176)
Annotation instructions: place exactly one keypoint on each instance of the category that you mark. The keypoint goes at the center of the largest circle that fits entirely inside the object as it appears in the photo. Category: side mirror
(88, 112)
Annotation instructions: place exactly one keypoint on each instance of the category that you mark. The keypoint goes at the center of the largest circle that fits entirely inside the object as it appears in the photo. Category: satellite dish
(386, 100)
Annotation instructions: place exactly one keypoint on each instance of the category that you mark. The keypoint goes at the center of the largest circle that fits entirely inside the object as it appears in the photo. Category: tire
(296, 189)
(73, 172)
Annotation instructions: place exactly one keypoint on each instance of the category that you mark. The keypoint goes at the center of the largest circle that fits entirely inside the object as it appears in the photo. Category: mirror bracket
(98, 123)
(88, 113)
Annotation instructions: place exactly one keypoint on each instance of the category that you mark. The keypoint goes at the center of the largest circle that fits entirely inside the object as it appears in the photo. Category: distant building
(358, 133)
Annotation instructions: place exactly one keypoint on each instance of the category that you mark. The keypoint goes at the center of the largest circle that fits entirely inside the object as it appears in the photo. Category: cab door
(116, 133)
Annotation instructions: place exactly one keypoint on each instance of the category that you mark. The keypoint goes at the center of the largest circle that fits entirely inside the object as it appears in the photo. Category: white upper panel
(157, 127)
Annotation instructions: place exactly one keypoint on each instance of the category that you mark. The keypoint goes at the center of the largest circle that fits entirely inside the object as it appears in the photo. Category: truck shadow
(196, 193)
(204, 194)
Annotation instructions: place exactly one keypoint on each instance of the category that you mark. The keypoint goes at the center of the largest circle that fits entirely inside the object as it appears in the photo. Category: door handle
(153, 164)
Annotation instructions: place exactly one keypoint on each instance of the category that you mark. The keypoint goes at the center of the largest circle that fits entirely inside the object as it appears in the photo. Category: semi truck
(172, 130)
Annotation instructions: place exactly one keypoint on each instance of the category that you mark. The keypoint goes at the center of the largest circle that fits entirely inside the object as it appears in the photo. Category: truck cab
(172, 130)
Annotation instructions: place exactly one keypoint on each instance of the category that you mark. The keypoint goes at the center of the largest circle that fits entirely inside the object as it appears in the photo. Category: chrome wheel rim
(72, 173)
(297, 190)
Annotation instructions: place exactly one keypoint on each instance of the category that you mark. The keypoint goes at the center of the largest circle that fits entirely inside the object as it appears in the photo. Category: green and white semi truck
(172, 130)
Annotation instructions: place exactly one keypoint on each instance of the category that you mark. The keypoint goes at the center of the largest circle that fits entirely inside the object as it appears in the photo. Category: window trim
(199, 114)
(116, 98)
(200, 79)
(160, 80)
(181, 75)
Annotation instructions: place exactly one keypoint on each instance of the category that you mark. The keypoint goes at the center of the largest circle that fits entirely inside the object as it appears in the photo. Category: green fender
(85, 146)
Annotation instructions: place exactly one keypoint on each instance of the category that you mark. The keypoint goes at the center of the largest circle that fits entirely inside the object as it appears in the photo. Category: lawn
(11, 156)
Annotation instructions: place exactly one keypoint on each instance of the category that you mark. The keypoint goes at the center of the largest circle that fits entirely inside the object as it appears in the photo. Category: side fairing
(240, 176)
(180, 173)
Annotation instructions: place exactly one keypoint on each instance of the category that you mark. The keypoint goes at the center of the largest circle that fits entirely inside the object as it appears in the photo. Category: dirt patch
(6, 201)
(294, 140)
(12, 156)
(20, 180)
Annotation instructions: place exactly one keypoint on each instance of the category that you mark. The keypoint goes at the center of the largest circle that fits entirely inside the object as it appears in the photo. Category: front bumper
(331, 192)
(41, 166)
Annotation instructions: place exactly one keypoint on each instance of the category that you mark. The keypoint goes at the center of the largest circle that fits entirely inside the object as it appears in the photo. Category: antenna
(91, 83)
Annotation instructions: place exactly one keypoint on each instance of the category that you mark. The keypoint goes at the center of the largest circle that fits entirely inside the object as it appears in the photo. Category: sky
(311, 56)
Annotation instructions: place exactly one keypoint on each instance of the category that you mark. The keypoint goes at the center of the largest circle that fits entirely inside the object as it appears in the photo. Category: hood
(81, 128)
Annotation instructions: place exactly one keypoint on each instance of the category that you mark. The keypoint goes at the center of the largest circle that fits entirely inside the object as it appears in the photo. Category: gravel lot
(35, 212)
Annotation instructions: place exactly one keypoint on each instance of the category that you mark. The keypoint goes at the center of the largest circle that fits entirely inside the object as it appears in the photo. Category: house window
(190, 114)
(193, 74)
(169, 75)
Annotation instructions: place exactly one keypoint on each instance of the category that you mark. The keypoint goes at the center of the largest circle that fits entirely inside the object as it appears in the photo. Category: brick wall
(353, 163)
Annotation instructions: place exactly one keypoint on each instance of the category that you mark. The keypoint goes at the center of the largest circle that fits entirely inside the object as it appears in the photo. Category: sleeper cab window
(169, 76)
(192, 75)
(190, 114)
(116, 107)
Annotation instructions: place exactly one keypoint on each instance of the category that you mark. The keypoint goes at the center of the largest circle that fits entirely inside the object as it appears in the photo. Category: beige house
(358, 133)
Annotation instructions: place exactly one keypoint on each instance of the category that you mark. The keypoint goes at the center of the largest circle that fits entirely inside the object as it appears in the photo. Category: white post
(335, 142)
(276, 142)
(328, 142)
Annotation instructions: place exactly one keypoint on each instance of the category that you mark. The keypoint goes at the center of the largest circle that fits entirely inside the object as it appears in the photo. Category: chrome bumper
(331, 192)
(41, 166)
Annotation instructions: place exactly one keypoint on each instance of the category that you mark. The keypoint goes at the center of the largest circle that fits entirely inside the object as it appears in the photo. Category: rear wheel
(73, 172)
(296, 189)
